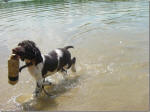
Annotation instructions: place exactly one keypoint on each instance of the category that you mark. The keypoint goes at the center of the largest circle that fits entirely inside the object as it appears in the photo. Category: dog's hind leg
(64, 72)
(73, 61)
(47, 82)
(71, 64)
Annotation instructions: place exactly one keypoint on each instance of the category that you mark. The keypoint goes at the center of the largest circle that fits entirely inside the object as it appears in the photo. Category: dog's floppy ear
(38, 57)
(31, 51)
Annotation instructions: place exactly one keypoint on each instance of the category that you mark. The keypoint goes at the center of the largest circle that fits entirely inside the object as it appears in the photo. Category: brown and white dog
(41, 66)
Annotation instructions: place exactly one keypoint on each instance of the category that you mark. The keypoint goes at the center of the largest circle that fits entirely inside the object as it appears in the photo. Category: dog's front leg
(38, 89)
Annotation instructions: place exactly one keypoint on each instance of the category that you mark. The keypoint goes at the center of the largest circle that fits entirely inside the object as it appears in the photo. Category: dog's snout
(17, 50)
(14, 51)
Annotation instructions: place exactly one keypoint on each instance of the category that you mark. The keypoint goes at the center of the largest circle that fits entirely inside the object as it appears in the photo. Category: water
(111, 45)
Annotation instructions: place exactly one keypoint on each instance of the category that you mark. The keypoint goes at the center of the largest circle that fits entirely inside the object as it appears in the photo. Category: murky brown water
(111, 45)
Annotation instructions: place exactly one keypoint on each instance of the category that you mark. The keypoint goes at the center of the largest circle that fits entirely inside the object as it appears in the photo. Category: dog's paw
(36, 94)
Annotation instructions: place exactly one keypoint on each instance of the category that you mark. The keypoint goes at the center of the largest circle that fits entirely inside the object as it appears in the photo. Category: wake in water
(60, 87)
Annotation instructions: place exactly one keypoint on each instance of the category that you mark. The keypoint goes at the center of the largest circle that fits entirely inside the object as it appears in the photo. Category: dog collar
(28, 64)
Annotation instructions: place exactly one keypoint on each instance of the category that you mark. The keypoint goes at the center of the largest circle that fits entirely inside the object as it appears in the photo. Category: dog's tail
(67, 47)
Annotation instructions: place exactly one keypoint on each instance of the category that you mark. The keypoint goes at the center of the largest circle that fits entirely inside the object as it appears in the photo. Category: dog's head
(27, 50)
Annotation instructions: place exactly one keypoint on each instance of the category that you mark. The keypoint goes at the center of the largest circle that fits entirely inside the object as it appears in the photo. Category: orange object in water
(13, 69)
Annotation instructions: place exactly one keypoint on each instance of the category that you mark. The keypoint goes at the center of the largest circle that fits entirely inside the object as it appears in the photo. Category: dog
(40, 66)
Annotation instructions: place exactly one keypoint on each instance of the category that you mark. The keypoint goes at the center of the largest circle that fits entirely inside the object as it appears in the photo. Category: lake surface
(111, 40)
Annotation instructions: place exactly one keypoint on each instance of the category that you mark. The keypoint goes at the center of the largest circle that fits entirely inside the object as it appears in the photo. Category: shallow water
(111, 46)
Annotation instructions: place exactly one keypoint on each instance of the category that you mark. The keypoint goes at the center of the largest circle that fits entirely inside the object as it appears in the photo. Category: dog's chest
(35, 71)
